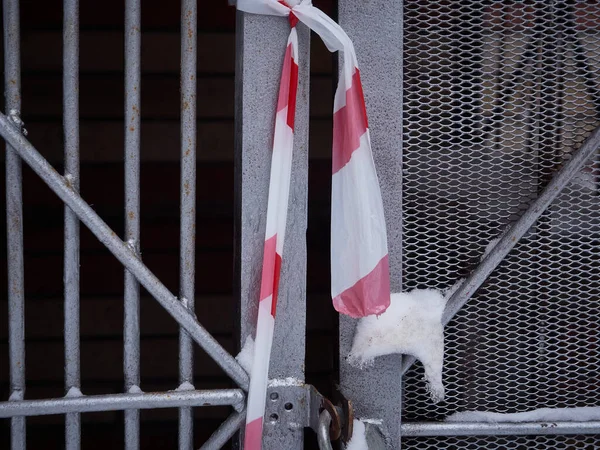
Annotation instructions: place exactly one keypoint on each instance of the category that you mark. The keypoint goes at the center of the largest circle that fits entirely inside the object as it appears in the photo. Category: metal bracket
(293, 407)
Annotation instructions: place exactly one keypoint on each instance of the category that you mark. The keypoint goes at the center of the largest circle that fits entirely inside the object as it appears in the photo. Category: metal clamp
(291, 408)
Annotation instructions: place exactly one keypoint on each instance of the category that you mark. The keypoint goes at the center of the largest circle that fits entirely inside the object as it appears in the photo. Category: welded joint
(133, 245)
(186, 304)
(134, 389)
(17, 395)
(74, 392)
(70, 180)
(15, 116)
(185, 386)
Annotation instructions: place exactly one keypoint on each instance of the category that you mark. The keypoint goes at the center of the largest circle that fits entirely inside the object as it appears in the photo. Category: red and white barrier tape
(360, 284)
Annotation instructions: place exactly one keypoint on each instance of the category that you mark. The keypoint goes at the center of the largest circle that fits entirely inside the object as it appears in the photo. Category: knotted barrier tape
(360, 284)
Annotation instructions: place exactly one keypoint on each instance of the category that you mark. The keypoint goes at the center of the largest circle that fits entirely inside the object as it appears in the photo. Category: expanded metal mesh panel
(503, 442)
(497, 96)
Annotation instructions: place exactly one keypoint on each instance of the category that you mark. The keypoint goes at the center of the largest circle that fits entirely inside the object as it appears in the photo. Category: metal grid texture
(503, 442)
(497, 96)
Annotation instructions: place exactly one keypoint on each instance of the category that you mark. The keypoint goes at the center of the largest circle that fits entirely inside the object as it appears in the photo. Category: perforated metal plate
(497, 97)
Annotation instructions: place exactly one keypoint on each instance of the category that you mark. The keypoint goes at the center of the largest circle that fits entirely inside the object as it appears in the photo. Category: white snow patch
(246, 355)
(289, 381)
(186, 386)
(359, 437)
(412, 325)
(582, 414)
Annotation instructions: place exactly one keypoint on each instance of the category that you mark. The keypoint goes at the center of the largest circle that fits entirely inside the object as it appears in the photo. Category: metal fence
(494, 105)
(498, 96)
(127, 251)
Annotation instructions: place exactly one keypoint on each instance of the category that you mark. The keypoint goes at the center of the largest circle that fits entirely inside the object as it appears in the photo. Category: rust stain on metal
(186, 186)
(131, 215)
(132, 128)
(186, 105)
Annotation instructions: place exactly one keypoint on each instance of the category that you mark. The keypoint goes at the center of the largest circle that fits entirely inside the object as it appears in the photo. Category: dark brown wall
(102, 136)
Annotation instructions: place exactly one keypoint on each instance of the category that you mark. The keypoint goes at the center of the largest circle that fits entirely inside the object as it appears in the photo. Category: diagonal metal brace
(514, 234)
(121, 251)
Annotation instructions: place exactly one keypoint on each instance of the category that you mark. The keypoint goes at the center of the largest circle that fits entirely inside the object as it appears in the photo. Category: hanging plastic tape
(360, 283)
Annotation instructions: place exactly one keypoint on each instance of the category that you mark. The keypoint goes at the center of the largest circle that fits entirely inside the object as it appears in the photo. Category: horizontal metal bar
(514, 234)
(497, 429)
(116, 402)
(122, 252)
(227, 429)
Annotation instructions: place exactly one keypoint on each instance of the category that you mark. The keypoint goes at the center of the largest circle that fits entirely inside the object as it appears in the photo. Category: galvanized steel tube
(122, 252)
(498, 429)
(14, 220)
(188, 206)
(514, 234)
(116, 402)
(131, 326)
(227, 429)
(71, 257)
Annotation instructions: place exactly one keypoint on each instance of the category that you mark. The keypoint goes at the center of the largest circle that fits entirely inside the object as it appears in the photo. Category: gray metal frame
(260, 45)
(127, 251)
(376, 392)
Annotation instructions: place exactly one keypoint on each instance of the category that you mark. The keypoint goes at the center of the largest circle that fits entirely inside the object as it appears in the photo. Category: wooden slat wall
(102, 185)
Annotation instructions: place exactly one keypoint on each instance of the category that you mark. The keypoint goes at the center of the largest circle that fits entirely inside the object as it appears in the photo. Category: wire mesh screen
(497, 97)
(503, 442)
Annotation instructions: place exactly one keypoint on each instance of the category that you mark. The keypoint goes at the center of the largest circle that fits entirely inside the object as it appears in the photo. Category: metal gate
(483, 110)
(126, 250)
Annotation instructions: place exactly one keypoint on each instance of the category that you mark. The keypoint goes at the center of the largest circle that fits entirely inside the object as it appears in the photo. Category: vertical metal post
(187, 259)
(131, 331)
(376, 392)
(260, 47)
(14, 222)
(71, 257)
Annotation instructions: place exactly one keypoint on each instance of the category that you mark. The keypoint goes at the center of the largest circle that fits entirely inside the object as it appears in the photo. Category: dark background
(102, 186)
